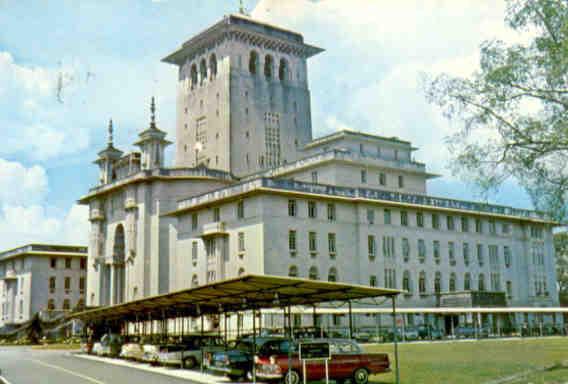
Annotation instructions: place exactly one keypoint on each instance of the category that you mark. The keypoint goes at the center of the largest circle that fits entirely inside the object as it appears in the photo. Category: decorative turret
(107, 157)
(152, 143)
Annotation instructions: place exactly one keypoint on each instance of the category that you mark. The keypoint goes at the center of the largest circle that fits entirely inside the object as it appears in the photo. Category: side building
(41, 277)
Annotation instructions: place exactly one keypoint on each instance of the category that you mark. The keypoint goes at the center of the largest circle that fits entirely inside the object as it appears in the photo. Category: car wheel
(189, 363)
(361, 376)
(291, 377)
(234, 377)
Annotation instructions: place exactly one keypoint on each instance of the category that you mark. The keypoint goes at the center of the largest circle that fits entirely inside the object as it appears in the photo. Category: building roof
(45, 249)
(362, 135)
(271, 36)
(355, 195)
(237, 294)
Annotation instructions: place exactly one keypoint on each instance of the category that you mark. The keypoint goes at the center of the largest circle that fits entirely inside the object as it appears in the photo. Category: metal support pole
(350, 320)
(202, 325)
(225, 329)
(253, 345)
(395, 339)
(288, 331)
(314, 316)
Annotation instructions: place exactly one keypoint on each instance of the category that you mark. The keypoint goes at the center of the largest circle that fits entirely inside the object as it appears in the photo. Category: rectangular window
(404, 218)
(464, 224)
(400, 181)
(52, 285)
(466, 254)
(194, 252)
(478, 226)
(371, 247)
(450, 223)
(313, 242)
(405, 249)
(53, 262)
(492, 227)
(451, 253)
(480, 254)
(420, 219)
(68, 263)
(292, 240)
(331, 212)
(194, 221)
(495, 282)
(390, 278)
(507, 256)
(370, 216)
(241, 210)
(241, 236)
(506, 228)
(364, 176)
(81, 285)
(373, 281)
(312, 209)
(331, 245)
(388, 246)
(292, 208)
(83, 264)
(315, 177)
(387, 216)
(67, 284)
(382, 179)
(493, 255)
(435, 221)
(216, 214)
(436, 247)
(421, 250)
(509, 290)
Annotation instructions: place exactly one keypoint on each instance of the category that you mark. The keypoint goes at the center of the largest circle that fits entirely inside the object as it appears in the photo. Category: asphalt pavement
(23, 365)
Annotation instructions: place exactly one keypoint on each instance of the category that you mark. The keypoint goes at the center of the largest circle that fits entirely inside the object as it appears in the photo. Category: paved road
(22, 365)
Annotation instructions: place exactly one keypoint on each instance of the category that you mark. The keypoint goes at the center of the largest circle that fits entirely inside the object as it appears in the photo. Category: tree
(561, 248)
(515, 108)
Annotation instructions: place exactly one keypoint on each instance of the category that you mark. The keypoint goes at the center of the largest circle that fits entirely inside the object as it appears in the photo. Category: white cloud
(21, 185)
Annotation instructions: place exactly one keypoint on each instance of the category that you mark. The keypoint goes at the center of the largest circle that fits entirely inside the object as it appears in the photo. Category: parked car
(236, 362)
(426, 332)
(469, 332)
(188, 353)
(132, 349)
(411, 334)
(348, 362)
(110, 345)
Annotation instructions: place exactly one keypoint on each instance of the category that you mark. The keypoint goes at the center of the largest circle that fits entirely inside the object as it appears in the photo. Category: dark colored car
(237, 361)
(469, 332)
(427, 332)
(348, 362)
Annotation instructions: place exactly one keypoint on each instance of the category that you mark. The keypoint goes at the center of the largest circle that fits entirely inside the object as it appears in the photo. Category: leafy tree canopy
(515, 108)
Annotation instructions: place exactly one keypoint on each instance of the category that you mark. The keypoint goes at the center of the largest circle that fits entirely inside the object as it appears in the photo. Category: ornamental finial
(153, 113)
(110, 133)
(242, 8)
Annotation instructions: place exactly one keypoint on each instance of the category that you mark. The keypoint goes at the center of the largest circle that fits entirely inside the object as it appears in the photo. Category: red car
(348, 361)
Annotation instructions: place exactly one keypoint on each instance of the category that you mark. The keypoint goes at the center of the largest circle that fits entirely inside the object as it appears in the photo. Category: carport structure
(245, 293)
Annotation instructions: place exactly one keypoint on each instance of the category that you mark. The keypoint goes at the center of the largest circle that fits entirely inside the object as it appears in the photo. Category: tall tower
(243, 103)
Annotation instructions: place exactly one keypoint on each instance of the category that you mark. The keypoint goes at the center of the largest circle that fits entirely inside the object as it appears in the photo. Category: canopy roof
(232, 295)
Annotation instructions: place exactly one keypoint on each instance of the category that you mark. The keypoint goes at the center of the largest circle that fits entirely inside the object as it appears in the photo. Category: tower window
(253, 62)
(268, 64)
(203, 71)
(193, 73)
(213, 67)
(283, 70)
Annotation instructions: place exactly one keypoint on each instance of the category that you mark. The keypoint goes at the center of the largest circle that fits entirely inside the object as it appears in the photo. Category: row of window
(66, 284)
(382, 178)
(268, 66)
(68, 260)
(204, 70)
(66, 304)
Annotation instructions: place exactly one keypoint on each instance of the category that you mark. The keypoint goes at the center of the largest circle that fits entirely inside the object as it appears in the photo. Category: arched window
(194, 281)
(481, 283)
(241, 271)
(268, 66)
(422, 282)
(253, 62)
(313, 275)
(193, 74)
(203, 70)
(438, 282)
(213, 66)
(406, 281)
(467, 282)
(50, 305)
(66, 305)
(283, 70)
(452, 282)
(332, 275)
(293, 271)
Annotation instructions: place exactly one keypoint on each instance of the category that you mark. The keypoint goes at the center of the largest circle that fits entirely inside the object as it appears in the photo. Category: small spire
(110, 133)
(242, 8)
(153, 114)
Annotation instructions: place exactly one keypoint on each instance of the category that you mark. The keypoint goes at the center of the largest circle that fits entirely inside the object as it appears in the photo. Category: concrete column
(112, 285)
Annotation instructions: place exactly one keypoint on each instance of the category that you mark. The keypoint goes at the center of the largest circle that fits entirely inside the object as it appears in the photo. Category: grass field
(477, 361)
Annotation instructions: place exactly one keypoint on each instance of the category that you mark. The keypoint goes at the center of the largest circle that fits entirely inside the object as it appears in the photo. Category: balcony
(10, 275)
(214, 229)
(96, 215)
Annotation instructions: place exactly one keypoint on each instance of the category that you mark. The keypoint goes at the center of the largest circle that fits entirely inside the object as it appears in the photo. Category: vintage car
(132, 349)
(348, 362)
(110, 345)
(188, 352)
(237, 361)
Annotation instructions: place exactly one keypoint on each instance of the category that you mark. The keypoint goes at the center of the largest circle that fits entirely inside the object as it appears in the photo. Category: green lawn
(476, 361)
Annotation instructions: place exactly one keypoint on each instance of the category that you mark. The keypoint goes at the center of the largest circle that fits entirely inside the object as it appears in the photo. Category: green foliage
(561, 248)
(515, 108)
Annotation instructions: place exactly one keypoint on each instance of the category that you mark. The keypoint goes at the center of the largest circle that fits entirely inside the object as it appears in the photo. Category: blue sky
(106, 56)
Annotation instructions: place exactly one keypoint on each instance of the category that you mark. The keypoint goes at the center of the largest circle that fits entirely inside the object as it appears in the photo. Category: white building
(252, 192)
(41, 277)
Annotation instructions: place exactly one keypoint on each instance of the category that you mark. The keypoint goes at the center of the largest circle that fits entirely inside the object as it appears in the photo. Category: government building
(251, 191)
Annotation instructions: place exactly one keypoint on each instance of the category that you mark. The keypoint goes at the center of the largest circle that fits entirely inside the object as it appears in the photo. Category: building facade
(252, 192)
(41, 277)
